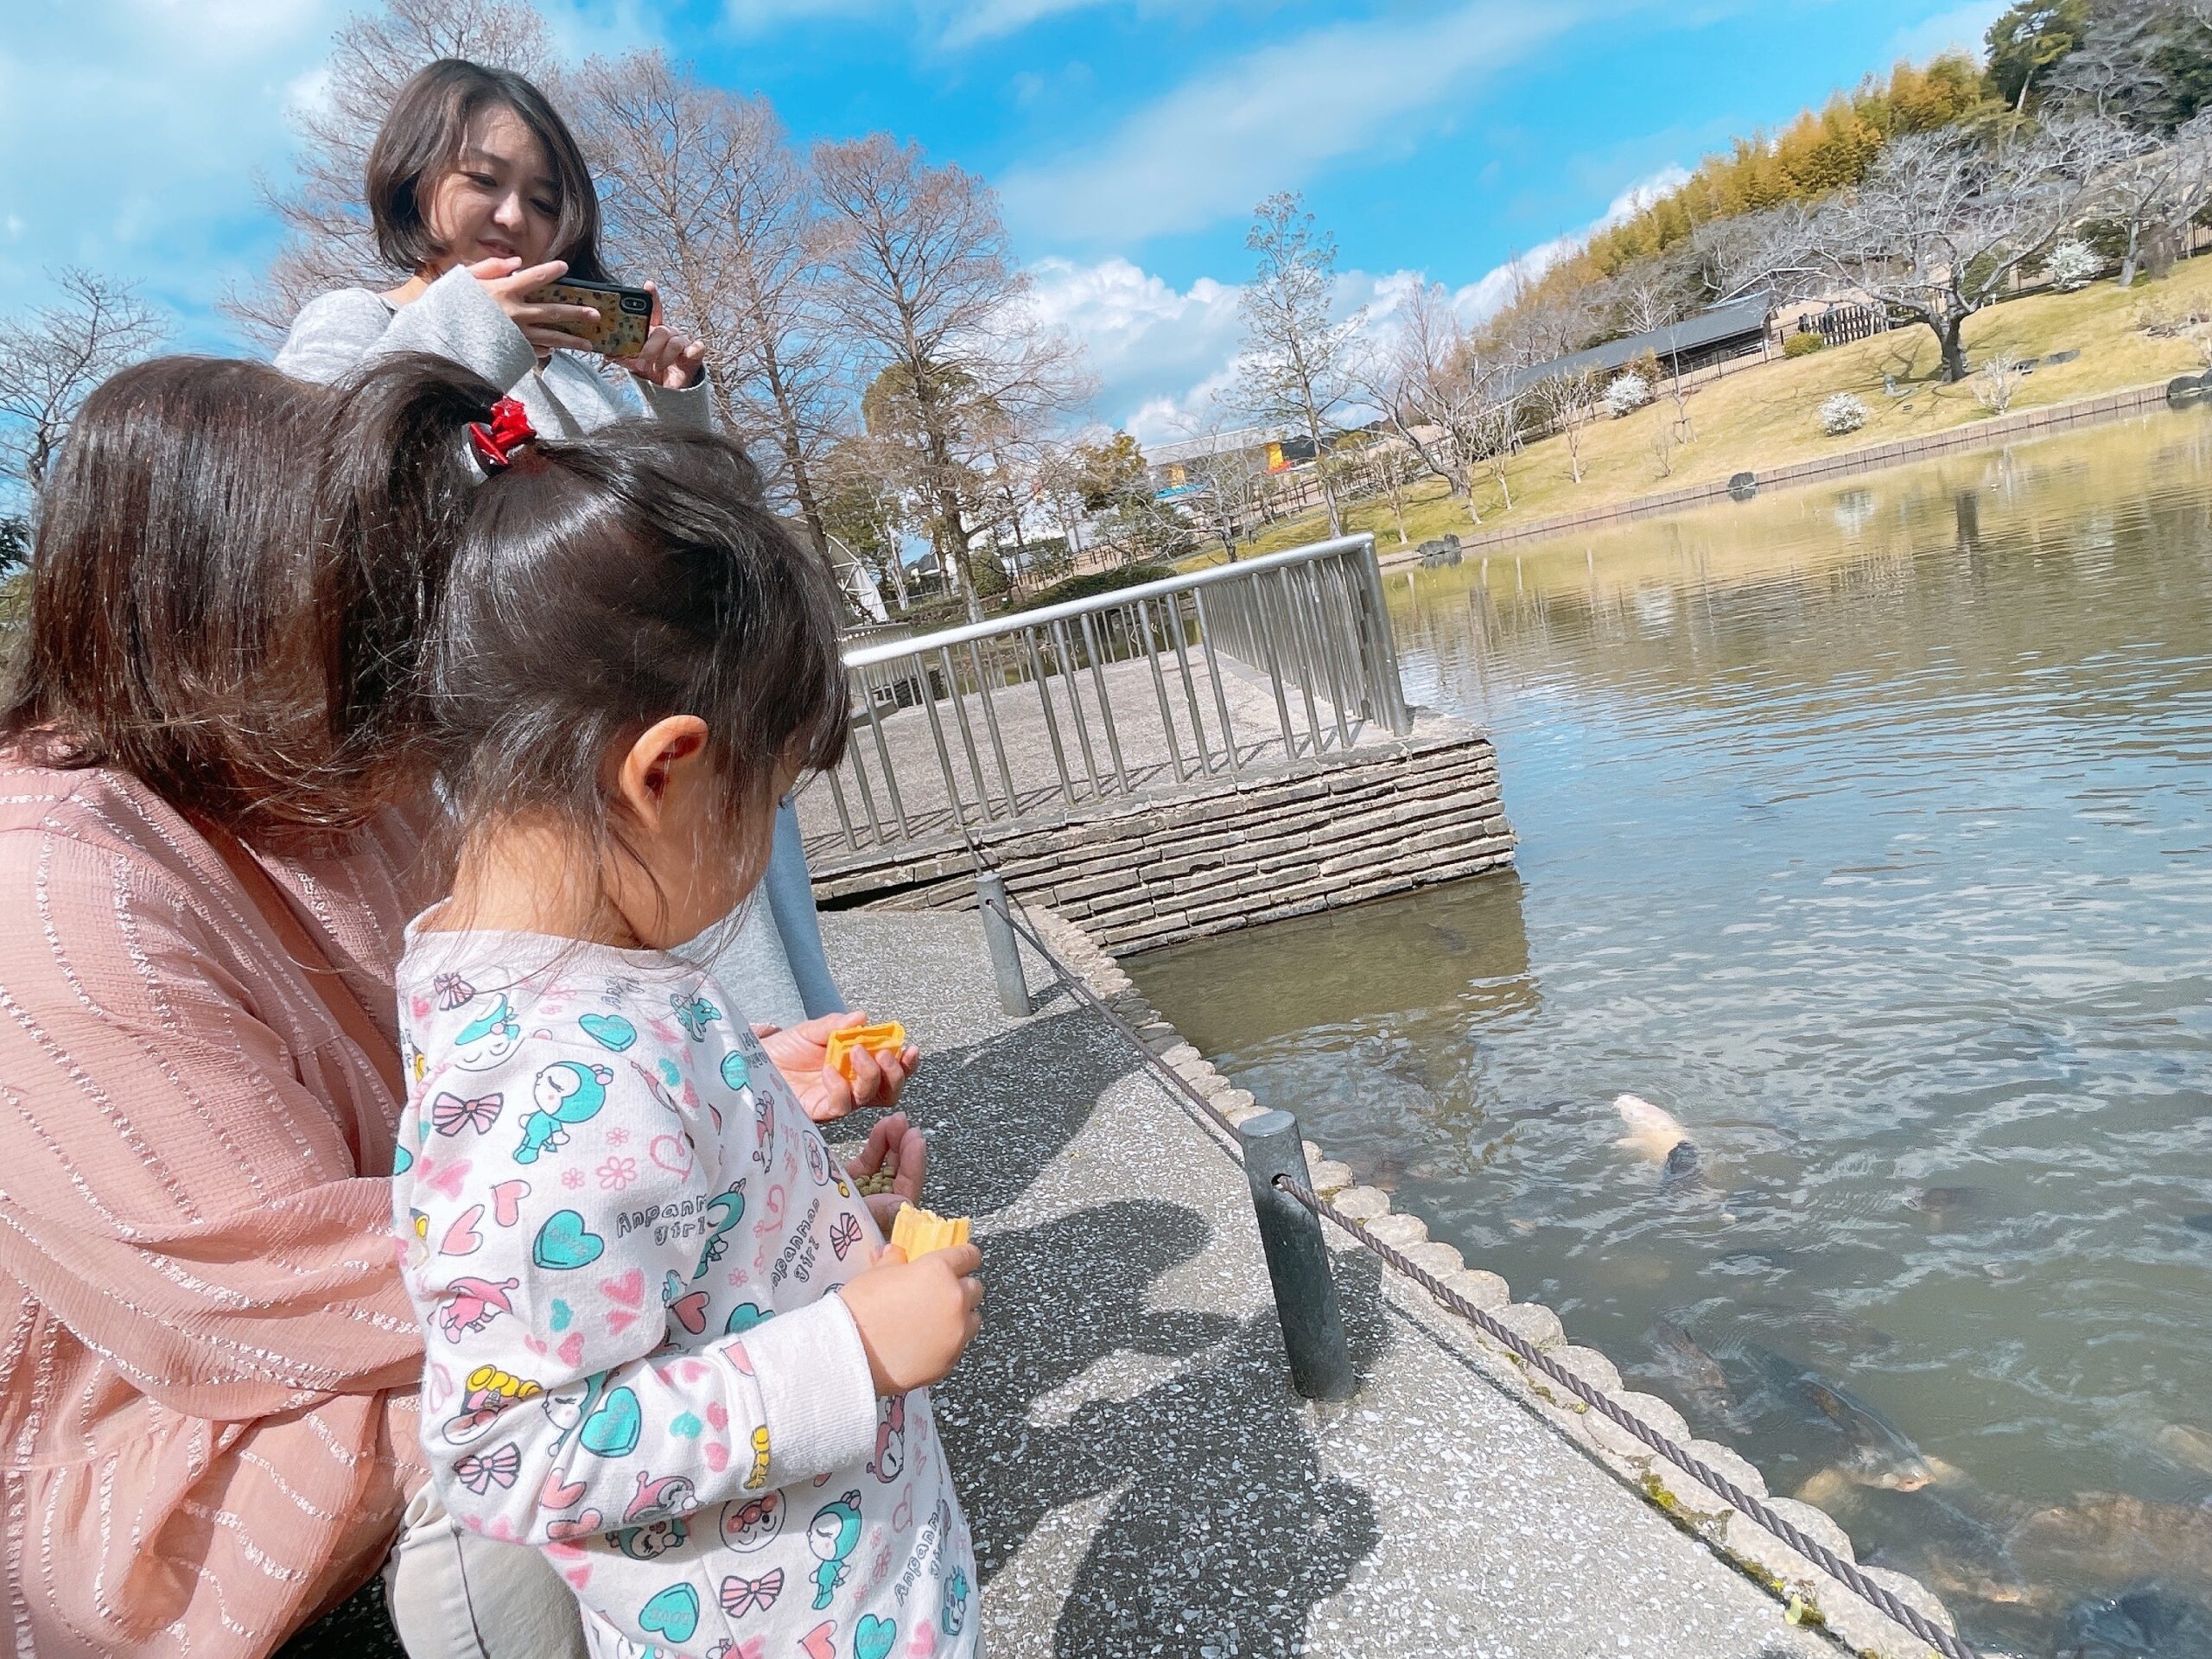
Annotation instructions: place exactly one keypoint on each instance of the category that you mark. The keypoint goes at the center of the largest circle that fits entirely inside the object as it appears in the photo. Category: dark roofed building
(1736, 329)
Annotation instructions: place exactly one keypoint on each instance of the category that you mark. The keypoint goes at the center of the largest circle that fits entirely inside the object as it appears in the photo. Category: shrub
(2074, 265)
(1842, 413)
(1092, 583)
(1627, 394)
(991, 581)
(1804, 345)
(1996, 381)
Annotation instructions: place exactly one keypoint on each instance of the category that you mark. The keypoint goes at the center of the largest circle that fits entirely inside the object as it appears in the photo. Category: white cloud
(1165, 356)
(969, 25)
(1271, 119)
(1962, 29)
(130, 134)
(1159, 352)
(945, 25)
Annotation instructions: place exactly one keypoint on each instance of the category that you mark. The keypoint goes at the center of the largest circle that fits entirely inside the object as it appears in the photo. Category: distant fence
(1840, 325)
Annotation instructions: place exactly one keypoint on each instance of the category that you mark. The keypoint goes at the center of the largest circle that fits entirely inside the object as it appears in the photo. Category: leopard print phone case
(625, 313)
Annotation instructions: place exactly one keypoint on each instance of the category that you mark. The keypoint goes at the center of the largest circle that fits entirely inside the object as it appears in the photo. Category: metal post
(1006, 954)
(1298, 1260)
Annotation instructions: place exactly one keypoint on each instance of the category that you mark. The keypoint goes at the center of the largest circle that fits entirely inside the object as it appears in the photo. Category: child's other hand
(896, 1141)
(915, 1317)
(800, 1054)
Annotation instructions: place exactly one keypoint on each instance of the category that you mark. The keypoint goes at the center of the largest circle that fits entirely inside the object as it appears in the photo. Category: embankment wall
(1228, 852)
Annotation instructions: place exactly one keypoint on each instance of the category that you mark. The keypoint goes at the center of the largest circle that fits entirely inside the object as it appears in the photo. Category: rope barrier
(1752, 1508)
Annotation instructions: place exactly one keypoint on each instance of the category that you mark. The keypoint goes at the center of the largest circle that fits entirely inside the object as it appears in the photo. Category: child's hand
(893, 1141)
(915, 1317)
(800, 1054)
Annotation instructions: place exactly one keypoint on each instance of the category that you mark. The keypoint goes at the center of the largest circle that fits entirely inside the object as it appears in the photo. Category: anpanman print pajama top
(622, 1233)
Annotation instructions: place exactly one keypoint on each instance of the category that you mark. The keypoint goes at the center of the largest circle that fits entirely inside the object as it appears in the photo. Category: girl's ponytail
(394, 484)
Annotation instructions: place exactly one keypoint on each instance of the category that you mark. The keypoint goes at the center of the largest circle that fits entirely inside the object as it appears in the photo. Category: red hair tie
(509, 430)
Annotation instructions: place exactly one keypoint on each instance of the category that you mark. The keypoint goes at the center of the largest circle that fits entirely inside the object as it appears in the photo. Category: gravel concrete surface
(1140, 1476)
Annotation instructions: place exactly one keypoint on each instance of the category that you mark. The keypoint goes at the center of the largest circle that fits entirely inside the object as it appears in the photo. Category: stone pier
(1183, 858)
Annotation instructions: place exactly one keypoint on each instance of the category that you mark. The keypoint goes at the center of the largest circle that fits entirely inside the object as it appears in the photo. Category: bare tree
(2151, 190)
(1446, 397)
(1648, 294)
(863, 509)
(1222, 472)
(329, 242)
(1502, 441)
(1568, 402)
(701, 189)
(52, 358)
(1944, 219)
(1296, 368)
(1748, 252)
(924, 287)
(2135, 60)
(1060, 488)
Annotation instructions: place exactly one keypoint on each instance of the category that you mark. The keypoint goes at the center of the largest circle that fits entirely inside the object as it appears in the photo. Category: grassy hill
(1766, 415)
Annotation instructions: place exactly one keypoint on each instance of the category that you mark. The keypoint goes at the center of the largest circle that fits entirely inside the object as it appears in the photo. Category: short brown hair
(232, 577)
(422, 137)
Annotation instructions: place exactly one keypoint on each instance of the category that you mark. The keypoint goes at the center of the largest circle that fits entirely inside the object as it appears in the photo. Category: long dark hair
(232, 575)
(607, 582)
(422, 137)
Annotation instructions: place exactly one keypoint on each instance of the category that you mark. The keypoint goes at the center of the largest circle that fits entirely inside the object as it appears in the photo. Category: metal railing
(1195, 676)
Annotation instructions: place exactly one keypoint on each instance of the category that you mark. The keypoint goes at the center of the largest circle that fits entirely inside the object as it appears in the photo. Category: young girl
(665, 1344)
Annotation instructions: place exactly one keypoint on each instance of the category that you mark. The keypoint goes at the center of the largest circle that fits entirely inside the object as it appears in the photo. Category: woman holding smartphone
(477, 187)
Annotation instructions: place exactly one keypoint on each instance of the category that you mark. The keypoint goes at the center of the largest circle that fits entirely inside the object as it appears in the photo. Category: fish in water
(2114, 1539)
(1876, 1452)
(1834, 1330)
(1943, 1207)
(1693, 1374)
(2190, 1447)
(1654, 1133)
(2145, 1621)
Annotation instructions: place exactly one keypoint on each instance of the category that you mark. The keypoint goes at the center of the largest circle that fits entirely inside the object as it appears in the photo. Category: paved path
(1152, 746)
(1142, 1478)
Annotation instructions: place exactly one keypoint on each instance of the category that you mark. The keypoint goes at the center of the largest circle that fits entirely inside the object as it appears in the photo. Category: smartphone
(626, 315)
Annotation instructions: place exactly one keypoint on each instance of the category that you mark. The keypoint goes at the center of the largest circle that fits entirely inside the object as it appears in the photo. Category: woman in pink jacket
(208, 846)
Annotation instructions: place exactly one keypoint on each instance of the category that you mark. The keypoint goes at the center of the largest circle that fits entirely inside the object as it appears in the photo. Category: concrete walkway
(1142, 1480)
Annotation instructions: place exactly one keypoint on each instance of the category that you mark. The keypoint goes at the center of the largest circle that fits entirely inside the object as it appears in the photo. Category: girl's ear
(667, 756)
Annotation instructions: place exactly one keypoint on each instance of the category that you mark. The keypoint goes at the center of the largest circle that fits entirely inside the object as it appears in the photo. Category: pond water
(1868, 831)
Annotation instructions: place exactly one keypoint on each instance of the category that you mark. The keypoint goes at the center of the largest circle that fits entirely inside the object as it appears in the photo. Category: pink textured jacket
(207, 1425)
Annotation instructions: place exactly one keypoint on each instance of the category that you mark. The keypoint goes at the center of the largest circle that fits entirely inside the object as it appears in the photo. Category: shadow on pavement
(1220, 1533)
(998, 1112)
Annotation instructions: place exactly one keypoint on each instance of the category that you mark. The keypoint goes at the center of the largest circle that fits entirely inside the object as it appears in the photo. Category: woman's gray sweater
(457, 318)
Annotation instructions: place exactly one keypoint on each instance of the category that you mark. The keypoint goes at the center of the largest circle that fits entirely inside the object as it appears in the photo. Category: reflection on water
(1866, 831)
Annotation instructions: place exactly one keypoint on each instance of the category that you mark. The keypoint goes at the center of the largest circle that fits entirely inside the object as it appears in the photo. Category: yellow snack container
(888, 1037)
(917, 1232)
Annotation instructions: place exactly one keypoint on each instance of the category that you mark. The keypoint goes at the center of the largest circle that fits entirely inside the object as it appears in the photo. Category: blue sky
(1129, 138)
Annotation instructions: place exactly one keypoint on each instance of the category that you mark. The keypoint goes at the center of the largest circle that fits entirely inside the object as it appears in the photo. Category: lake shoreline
(2035, 423)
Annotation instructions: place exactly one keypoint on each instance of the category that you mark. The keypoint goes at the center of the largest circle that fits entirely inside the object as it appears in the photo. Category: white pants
(456, 1594)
